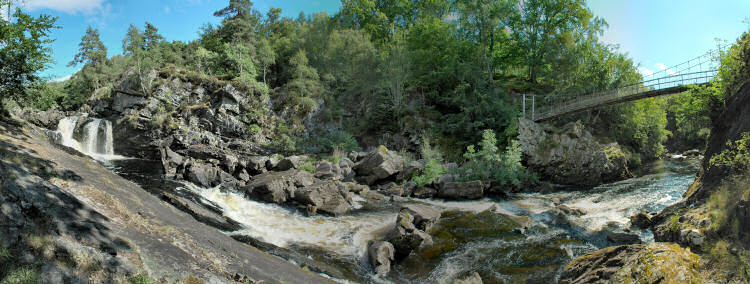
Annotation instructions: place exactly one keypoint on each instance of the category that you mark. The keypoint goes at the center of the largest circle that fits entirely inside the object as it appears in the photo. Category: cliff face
(570, 155)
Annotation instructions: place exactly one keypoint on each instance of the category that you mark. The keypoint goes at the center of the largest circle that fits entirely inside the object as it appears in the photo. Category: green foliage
(674, 225)
(641, 125)
(308, 167)
(433, 168)
(735, 157)
(332, 141)
(22, 275)
(91, 50)
(140, 279)
(690, 115)
(23, 53)
(284, 144)
(488, 163)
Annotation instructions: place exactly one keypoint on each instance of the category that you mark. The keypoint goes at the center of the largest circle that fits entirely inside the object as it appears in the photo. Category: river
(479, 236)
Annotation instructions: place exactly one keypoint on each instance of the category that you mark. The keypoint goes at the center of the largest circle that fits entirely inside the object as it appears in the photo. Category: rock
(473, 279)
(303, 178)
(569, 155)
(424, 192)
(229, 163)
(692, 153)
(273, 161)
(406, 237)
(409, 188)
(691, 237)
(122, 101)
(641, 263)
(570, 210)
(411, 168)
(47, 118)
(257, 165)
(424, 216)
(170, 161)
(52, 274)
(624, 238)
(275, 187)
(202, 175)
(561, 220)
(326, 170)
(443, 179)
(324, 196)
(641, 220)
(462, 190)
(381, 254)
(379, 165)
(201, 213)
(292, 162)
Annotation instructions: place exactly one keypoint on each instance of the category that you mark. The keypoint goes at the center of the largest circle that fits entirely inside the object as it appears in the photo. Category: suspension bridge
(672, 80)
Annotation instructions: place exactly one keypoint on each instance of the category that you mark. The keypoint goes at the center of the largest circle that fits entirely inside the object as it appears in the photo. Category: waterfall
(91, 136)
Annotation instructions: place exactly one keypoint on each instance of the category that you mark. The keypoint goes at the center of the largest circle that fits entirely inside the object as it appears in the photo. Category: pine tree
(91, 50)
(151, 37)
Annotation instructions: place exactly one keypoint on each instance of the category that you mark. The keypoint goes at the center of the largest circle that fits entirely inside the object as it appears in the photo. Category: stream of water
(477, 235)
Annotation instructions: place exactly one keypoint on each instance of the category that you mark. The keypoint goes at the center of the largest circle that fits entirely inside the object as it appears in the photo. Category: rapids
(472, 235)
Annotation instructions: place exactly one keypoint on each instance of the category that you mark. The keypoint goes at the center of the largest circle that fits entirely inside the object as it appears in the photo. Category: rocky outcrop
(323, 196)
(570, 155)
(378, 165)
(623, 238)
(409, 233)
(649, 263)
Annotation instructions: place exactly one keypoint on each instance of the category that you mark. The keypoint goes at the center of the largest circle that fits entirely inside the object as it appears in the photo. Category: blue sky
(655, 33)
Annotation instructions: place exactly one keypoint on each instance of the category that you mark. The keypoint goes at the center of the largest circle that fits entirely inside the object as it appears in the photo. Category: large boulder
(406, 237)
(275, 187)
(642, 263)
(323, 196)
(379, 165)
(256, 165)
(381, 255)
(424, 216)
(570, 155)
(170, 162)
(624, 238)
(462, 190)
(204, 175)
(291, 162)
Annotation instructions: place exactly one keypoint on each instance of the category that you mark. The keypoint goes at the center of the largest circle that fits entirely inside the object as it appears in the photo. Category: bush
(735, 157)
(284, 144)
(336, 140)
(490, 164)
(434, 166)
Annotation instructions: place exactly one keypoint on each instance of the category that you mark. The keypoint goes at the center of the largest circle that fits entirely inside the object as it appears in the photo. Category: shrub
(140, 279)
(488, 163)
(674, 224)
(335, 140)
(434, 166)
(308, 167)
(735, 157)
(284, 144)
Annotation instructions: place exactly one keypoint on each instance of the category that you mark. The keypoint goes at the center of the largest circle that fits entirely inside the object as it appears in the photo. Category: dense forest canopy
(384, 71)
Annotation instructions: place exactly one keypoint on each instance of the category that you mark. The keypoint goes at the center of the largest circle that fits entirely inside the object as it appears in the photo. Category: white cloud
(67, 6)
(645, 71)
(664, 68)
(62, 79)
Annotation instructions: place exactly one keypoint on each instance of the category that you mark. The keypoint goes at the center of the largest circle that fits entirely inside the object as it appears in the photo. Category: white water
(606, 207)
(96, 136)
(345, 235)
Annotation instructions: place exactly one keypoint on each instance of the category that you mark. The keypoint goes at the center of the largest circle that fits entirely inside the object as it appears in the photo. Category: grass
(674, 223)
(22, 275)
(308, 167)
(140, 279)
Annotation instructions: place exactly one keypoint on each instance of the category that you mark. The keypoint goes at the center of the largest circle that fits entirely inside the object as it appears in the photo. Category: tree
(133, 42)
(23, 52)
(91, 50)
(239, 21)
(151, 37)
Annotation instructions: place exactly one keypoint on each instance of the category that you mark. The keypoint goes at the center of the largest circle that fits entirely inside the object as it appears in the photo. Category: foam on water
(345, 235)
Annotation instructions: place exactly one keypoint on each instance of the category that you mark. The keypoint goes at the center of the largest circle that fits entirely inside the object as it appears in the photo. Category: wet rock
(275, 187)
(381, 255)
(424, 192)
(473, 279)
(570, 210)
(691, 237)
(462, 190)
(292, 162)
(561, 220)
(624, 238)
(424, 216)
(200, 213)
(406, 237)
(641, 263)
(379, 165)
(692, 153)
(324, 196)
(641, 220)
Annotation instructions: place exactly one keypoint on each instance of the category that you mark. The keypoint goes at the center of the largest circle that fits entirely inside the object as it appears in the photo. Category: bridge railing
(609, 96)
